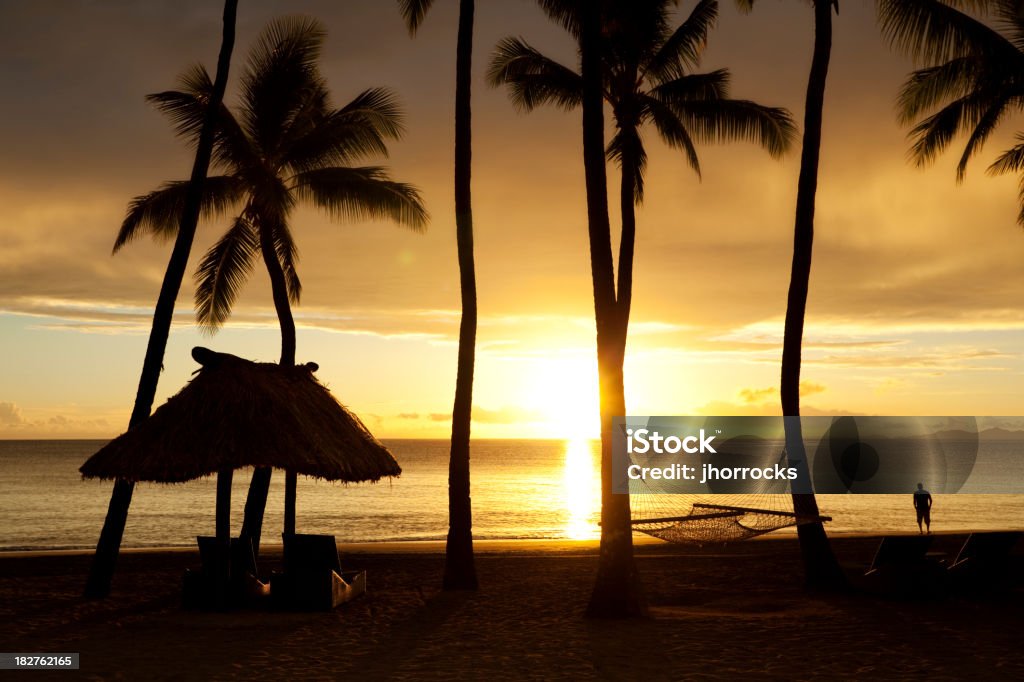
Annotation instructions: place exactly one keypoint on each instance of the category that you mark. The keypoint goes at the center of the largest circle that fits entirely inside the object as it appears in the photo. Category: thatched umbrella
(237, 413)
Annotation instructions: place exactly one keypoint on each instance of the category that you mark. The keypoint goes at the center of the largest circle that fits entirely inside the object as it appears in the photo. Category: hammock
(708, 523)
(737, 510)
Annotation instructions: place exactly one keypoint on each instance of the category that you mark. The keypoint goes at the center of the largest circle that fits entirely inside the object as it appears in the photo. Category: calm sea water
(521, 489)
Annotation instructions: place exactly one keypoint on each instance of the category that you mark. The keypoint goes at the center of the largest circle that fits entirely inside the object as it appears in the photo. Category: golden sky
(917, 285)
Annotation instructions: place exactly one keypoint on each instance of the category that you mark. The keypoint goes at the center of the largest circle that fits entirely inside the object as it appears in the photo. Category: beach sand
(716, 613)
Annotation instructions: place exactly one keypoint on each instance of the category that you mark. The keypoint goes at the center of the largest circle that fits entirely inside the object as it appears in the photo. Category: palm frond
(932, 135)
(626, 149)
(356, 131)
(565, 13)
(928, 87)
(682, 50)
(726, 120)
(376, 108)
(1008, 13)
(280, 77)
(983, 129)
(937, 31)
(1010, 161)
(671, 130)
(186, 109)
(223, 271)
(159, 212)
(414, 11)
(533, 79)
(695, 87)
(362, 193)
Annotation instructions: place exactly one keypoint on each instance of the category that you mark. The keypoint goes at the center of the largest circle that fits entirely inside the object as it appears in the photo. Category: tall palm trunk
(627, 244)
(617, 591)
(259, 485)
(101, 572)
(459, 568)
(820, 566)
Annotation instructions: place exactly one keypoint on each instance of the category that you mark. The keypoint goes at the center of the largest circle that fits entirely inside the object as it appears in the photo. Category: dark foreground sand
(716, 614)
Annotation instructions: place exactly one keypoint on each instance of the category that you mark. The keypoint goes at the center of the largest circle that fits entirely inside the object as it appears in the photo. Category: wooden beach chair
(312, 579)
(224, 580)
(902, 567)
(983, 563)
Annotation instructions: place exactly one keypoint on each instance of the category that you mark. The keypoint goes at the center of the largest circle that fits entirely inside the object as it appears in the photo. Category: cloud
(956, 358)
(810, 388)
(10, 415)
(754, 396)
(481, 415)
(504, 415)
(725, 408)
(13, 420)
(757, 395)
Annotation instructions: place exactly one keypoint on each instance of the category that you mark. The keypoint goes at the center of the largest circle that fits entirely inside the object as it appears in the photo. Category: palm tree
(286, 144)
(630, 58)
(820, 566)
(647, 71)
(459, 567)
(973, 77)
(617, 591)
(101, 572)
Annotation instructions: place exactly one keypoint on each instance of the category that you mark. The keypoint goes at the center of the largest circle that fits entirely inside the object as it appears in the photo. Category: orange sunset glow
(512, 339)
(915, 289)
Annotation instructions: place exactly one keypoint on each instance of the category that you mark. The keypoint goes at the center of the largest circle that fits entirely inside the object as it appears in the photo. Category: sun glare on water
(582, 490)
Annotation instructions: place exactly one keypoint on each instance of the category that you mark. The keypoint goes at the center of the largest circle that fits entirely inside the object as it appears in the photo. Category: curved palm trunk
(259, 485)
(617, 591)
(101, 572)
(820, 566)
(459, 568)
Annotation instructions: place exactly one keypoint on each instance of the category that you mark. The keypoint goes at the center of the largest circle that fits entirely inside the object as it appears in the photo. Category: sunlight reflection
(582, 490)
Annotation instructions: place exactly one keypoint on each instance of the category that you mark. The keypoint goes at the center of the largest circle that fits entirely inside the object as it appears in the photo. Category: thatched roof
(236, 413)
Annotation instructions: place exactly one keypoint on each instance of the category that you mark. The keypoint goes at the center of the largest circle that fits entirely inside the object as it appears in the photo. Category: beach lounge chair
(899, 551)
(224, 581)
(983, 563)
(902, 567)
(312, 579)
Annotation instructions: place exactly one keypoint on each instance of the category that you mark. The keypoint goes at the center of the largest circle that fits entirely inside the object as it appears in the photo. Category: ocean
(522, 489)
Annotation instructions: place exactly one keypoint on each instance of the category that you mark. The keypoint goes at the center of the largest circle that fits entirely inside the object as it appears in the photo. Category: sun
(563, 392)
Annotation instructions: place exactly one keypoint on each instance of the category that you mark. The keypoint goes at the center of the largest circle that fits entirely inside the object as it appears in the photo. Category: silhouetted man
(923, 505)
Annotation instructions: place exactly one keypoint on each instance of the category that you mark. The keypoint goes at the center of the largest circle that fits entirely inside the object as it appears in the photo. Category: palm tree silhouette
(647, 71)
(459, 567)
(287, 144)
(632, 59)
(820, 566)
(101, 571)
(972, 83)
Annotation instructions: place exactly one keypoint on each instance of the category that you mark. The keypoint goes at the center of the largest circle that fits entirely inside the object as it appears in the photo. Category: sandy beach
(716, 613)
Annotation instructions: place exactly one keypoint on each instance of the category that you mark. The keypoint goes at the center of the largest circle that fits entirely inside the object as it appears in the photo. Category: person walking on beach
(923, 505)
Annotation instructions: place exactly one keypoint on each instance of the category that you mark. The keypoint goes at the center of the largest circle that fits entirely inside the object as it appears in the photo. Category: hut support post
(223, 527)
(291, 480)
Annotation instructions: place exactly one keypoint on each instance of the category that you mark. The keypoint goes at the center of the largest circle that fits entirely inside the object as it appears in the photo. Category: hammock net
(724, 508)
(727, 516)
(710, 519)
